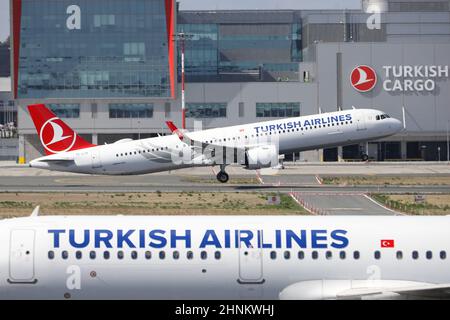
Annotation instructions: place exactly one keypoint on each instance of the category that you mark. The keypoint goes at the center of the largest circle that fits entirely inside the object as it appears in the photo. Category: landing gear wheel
(223, 177)
(364, 157)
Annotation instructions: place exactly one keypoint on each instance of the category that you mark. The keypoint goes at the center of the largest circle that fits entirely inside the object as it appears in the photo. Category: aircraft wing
(425, 291)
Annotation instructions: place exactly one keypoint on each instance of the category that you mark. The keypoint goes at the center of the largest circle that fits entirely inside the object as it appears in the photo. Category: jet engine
(261, 157)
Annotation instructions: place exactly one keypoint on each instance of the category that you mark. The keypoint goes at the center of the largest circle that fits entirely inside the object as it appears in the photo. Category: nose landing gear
(364, 157)
(222, 176)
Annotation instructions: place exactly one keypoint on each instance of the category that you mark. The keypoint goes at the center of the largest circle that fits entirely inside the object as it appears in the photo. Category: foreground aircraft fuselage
(257, 145)
(240, 257)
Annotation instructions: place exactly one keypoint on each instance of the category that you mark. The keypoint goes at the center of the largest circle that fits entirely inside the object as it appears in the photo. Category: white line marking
(295, 199)
(384, 207)
(319, 181)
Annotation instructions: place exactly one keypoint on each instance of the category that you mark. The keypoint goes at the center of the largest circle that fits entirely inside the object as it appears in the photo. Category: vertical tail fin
(55, 135)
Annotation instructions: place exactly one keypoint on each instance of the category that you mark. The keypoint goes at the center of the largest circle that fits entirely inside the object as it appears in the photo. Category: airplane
(255, 145)
(222, 257)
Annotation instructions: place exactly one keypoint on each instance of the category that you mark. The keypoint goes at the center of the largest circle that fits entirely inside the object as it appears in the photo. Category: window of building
(104, 20)
(206, 110)
(277, 110)
(130, 110)
(65, 110)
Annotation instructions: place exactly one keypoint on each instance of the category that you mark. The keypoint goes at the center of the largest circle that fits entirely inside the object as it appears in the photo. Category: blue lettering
(316, 121)
(289, 125)
(121, 238)
(56, 234)
(174, 238)
(104, 236)
(279, 126)
(245, 236)
(316, 237)
(341, 117)
(300, 240)
(334, 119)
(257, 129)
(306, 123)
(158, 236)
(348, 117)
(73, 242)
(272, 127)
(340, 240)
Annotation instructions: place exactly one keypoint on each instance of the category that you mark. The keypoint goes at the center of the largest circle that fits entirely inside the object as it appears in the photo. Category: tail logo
(53, 138)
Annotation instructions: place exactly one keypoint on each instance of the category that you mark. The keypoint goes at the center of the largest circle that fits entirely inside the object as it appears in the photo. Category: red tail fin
(55, 135)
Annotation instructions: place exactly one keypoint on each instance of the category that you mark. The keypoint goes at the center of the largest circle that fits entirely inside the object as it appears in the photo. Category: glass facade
(93, 49)
(131, 110)
(242, 50)
(206, 110)
(65, 110)
(277, 110)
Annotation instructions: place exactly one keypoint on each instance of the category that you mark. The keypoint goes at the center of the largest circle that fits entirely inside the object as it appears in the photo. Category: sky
(221, 5)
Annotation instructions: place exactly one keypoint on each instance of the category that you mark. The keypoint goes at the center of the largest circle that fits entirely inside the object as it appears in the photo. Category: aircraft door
(96, 161)
(250, 257)
(21, 256)
(361, 122)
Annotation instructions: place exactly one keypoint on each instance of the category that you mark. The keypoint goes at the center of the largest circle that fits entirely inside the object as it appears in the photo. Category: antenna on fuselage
(353, 107)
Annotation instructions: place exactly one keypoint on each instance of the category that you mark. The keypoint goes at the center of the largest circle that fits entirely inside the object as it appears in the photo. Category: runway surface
(299, 181)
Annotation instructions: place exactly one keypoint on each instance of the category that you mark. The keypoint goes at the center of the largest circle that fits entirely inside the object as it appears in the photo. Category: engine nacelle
(261, 157)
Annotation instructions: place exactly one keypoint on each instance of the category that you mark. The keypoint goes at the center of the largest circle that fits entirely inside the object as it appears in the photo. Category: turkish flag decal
(387, 243)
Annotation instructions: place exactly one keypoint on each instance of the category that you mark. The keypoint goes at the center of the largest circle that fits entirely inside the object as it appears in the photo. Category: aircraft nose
(397, 125)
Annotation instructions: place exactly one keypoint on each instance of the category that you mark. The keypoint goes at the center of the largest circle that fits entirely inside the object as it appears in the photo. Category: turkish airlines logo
(363, 78)
(53, 137)
(387, 243)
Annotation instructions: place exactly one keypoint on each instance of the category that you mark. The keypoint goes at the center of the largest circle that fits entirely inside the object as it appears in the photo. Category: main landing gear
(222, 176)
(364, 157)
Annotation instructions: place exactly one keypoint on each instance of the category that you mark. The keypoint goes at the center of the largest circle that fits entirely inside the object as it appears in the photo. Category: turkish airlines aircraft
(255, 145)
(239, 257)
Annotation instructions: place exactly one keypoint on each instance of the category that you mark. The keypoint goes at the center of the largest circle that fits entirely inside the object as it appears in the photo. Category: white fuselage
(163, 153)
(199, 257)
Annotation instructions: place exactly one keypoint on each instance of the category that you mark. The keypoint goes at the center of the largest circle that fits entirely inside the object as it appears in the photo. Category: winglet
(35, 212)
(173, 128)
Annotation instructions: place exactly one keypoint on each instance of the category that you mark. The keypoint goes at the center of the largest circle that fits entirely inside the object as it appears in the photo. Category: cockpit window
(382, 116)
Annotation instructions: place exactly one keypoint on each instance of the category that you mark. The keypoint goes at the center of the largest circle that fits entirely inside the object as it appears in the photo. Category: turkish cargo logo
(387, 243)
(363, 78)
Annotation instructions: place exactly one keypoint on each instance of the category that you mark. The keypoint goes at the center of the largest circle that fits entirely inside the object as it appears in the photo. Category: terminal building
(111, 68)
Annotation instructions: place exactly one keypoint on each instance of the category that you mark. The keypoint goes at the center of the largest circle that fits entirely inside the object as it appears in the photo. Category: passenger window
(287, 255)
(301, 255)
(65, 254)
(106, 255)
(273, 255)
(190, 255)
(203, 255)
(377, 255)
(120, 254)
(399, 255)
(162, 255)
(51, 255)
(134, 255)
(443, 255)
(217, 255)
(78, 255)
(328, 255)
(315, 255)
(356, 255)
(342, 255)
(148, 255)
(415, 255)
(92, 254)
(176, 255)
(429, 255)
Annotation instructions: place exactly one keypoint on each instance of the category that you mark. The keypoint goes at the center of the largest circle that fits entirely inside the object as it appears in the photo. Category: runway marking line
(383, 206)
